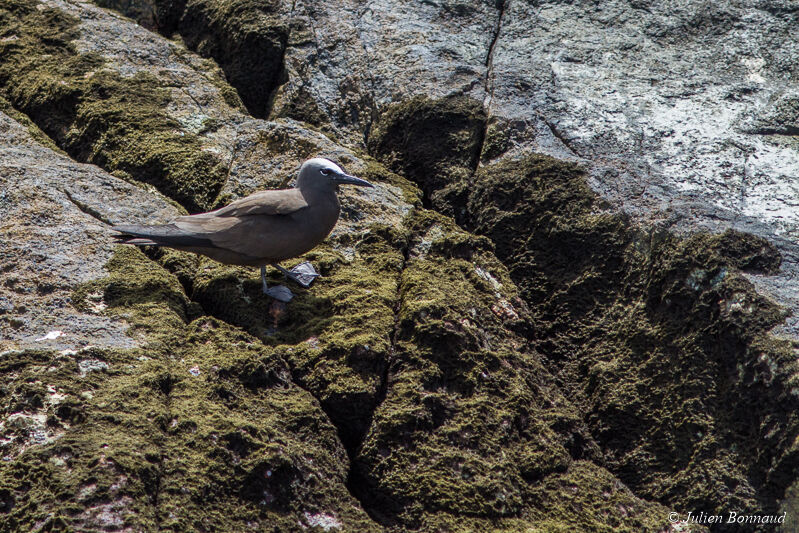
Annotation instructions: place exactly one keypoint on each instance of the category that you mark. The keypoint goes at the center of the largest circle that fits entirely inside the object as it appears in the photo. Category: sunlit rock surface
(565, 306)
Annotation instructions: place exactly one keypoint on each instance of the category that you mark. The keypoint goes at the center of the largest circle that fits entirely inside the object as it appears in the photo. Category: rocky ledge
(567, 305)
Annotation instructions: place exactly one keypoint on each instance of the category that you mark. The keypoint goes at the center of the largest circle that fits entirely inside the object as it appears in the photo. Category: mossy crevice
(463, 385)
(660, 338)
(201, 428)
(96, 115)
(434, 143)
(247, 38)
(335, 336)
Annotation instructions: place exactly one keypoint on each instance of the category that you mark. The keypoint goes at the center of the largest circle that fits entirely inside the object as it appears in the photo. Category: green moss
(335, 335)
(497, 139)
(463, 387)
(666, 340)
(434, 143)
(579, 499)
(96, 115)
(200, 428)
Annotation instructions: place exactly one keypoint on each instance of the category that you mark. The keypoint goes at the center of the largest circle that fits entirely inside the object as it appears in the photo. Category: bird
(264, 228)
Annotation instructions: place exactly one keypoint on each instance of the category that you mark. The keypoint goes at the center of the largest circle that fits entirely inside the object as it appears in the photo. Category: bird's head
(320, 173)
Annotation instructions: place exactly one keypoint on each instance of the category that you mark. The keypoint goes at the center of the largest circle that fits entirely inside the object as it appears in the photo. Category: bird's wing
(281, 202)
(257, 225)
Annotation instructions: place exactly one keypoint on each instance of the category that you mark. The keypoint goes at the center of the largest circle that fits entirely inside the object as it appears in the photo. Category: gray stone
(55, 215)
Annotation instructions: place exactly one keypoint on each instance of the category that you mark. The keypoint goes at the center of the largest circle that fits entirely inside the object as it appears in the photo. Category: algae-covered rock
(246, 37)
(645, 324)
(199, 428)
(96, 115)
(492, 346)
(116, 401)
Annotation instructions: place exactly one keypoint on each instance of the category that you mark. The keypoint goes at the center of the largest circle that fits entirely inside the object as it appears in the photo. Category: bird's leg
(302, 274)
(280, 293)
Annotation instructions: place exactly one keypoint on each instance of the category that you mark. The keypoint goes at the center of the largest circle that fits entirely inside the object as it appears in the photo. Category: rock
(661, 79)
(576, 344)
(344, 68)
(118, 422)
(56, 237)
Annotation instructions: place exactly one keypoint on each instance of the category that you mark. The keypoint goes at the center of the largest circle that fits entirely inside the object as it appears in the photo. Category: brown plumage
(262, 229)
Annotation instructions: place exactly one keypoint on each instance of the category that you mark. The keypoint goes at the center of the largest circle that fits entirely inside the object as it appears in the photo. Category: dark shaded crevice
(355, 482)
(559, 136)
(154, 484)
(163, 385)
(167, 15)
(89, 210)
(382, 390)
(784, 130)
(433, 143)
(488, 84)
(478, 152)
(502, 5)
(233, 153)
(281, 76)
(187, 92)
(744, 181)
(253, 60)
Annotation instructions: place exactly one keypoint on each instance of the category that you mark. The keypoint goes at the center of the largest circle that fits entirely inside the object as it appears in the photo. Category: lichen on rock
(96, 115)
(642, 323)
(492, 346)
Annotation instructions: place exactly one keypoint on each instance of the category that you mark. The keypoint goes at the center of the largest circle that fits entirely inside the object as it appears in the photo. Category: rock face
(567, 305)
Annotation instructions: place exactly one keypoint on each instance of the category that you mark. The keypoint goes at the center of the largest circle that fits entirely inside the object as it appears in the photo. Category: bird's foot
(281, 293)
(302, 274)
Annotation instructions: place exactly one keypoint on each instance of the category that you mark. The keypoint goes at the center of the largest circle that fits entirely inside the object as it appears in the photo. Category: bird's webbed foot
(281, 293)
(302, 274)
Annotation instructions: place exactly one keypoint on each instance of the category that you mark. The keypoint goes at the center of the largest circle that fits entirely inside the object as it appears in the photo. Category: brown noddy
(262, 229)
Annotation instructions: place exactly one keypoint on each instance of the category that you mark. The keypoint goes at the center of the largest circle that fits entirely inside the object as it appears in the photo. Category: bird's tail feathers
(158, 235)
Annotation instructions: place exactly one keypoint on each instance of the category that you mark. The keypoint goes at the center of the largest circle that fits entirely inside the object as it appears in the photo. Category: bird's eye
(325, 171)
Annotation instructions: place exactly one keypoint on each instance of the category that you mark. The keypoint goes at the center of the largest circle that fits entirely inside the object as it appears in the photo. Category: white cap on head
(321, 162)
(320, 173)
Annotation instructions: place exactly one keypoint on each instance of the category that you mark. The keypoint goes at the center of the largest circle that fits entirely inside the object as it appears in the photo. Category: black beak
(346, 179)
